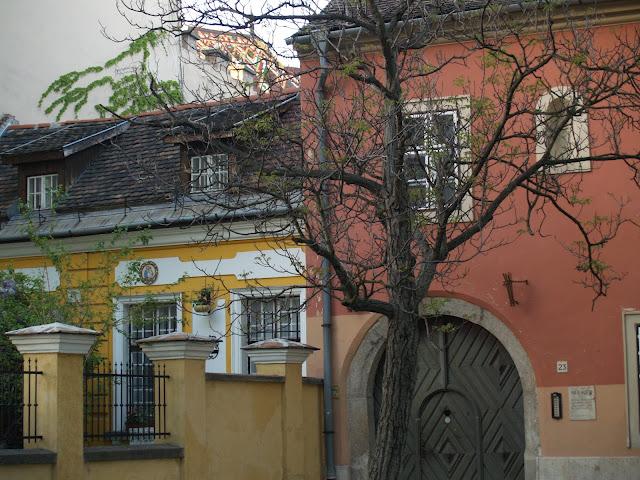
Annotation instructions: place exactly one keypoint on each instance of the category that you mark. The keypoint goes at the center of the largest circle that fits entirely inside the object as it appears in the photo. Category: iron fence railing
(125, 403)
(19, 404)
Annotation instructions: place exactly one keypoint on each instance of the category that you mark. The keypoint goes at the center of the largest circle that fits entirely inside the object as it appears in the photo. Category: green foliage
(87, 290)
(351, 67)
(131, 94)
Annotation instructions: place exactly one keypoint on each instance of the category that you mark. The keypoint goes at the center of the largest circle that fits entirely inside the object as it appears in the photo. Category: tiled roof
(8, 187)
(21, 140)
(390, 8)
(136, 167)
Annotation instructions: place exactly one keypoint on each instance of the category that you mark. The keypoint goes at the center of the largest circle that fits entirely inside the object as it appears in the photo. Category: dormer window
(41, 190)
(209, 172)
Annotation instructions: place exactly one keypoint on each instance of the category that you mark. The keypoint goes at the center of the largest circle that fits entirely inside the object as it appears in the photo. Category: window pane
(268, 318)
(415, 128)
(209, 172)
(443, 129)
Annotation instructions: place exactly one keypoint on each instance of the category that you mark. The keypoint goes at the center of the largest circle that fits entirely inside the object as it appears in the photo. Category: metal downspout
(321, 46)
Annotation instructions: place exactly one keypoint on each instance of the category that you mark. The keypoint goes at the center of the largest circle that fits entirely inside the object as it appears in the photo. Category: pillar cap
(278, 351)
(177, 346)
(53, 337)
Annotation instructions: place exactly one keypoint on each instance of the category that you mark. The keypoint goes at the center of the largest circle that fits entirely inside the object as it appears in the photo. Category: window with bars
(271, 317)
(209, 172)
(146, 321)
(41, 190)
(432, 156)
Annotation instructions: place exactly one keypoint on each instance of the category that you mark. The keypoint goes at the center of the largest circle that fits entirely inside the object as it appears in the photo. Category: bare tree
(431, 132)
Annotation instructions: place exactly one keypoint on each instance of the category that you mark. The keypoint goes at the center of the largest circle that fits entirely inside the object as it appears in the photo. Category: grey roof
(185, 212)
(136, 168)
(49, 137)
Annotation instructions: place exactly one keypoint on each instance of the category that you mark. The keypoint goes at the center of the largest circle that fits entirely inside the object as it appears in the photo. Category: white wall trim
(630, 319)
(119, 339)
(194, 235)
(249, 265)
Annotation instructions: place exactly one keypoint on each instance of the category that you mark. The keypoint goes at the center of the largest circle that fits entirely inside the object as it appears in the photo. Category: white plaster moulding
(249, 265)
(194, 235)
(279, 356)
(178, 350)
(72, 343)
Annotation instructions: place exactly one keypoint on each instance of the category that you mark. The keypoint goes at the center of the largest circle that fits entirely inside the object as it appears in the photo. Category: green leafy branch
(131, 94)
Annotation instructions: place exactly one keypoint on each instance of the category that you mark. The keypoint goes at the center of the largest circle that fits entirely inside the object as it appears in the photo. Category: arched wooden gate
(467, 414)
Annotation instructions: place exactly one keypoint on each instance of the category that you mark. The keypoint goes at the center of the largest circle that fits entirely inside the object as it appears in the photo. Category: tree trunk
(397, 395)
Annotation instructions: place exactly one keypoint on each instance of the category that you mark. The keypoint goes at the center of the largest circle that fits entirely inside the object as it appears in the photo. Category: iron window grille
(432, 156)
(271, 317)
(146, 320)
(41, 191)
(19, 404)
(209, 172)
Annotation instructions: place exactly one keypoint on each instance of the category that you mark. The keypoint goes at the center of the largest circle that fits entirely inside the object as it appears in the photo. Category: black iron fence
(19, 404)
(125, 403)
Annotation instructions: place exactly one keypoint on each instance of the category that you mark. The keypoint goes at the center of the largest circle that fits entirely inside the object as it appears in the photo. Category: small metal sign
(582, 403)
(148, 272)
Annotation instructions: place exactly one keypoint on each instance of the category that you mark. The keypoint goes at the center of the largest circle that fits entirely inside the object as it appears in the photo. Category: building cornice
(194, 235)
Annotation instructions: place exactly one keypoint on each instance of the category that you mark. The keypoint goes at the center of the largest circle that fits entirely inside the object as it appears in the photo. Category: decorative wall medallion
(148, 273)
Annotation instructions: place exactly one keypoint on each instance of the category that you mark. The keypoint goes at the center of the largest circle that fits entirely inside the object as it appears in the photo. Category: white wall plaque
(562, 366)
(582, 403)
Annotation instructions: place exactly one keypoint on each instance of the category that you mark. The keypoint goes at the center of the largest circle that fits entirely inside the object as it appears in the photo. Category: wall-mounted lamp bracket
(508, 284)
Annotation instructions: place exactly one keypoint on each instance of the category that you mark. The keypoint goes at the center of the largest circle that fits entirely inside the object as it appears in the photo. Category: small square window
(41, 191)
(209, 172)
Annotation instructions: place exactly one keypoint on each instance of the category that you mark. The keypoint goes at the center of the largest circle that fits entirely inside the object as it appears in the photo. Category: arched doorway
(361, 378)
(467, 413)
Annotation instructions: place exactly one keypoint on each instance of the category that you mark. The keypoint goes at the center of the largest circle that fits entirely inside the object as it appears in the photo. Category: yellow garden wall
(222, 426)
(30, 472)
(244, 428)
(160, 469)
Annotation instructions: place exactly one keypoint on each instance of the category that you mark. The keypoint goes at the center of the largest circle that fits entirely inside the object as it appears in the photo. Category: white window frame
(460, 106)
(631, 331)
(209, 172)
(579, 133)
(39, 194)
(427, 149)
(120, 348)
(120, 340)
(238, 332)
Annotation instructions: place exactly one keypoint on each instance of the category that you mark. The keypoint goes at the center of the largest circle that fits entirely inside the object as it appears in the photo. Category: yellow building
(201, 269)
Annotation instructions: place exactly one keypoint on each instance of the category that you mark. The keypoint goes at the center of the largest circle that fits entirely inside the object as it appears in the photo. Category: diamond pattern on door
(468, 418)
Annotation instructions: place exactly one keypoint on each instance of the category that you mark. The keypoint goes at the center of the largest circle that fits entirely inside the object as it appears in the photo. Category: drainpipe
(321, 47)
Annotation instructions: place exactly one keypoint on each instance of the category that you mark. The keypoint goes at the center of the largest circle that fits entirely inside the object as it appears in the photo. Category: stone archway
(361, 378)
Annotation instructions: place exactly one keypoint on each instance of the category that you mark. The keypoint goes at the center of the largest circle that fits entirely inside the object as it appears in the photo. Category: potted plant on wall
(202, 304)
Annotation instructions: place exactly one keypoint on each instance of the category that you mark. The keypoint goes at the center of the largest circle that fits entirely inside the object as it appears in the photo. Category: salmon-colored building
(536, 381)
